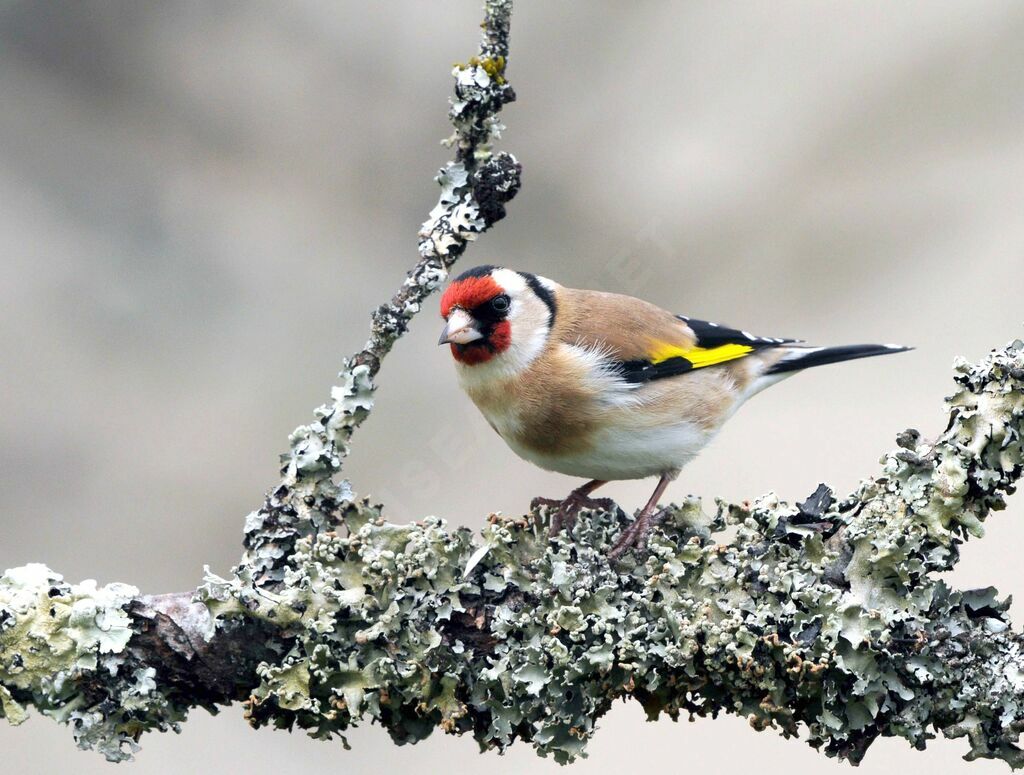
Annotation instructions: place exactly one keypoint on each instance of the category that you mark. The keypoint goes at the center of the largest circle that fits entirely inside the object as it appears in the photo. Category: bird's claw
(637, 534)
(538, 502)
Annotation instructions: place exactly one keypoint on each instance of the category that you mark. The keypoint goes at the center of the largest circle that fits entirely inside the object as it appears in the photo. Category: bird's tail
(800, 358)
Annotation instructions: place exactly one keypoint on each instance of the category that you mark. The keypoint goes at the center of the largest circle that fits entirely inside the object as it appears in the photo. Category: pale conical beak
(461, 329)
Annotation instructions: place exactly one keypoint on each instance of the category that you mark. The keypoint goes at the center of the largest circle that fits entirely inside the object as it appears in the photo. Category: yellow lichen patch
(493, 66)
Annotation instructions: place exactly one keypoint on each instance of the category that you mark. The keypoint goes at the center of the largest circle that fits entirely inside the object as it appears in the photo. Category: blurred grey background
(202, 202)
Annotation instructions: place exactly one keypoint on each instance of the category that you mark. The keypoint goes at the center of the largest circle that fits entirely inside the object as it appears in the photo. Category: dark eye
(500, 303)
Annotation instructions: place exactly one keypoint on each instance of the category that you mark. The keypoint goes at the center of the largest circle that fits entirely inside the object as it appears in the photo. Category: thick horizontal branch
(825, 616)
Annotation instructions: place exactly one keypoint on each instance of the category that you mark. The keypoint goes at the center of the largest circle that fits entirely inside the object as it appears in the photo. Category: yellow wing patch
(699, 356)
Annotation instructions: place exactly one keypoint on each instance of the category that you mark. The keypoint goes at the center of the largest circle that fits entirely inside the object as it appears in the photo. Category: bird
(604, 386)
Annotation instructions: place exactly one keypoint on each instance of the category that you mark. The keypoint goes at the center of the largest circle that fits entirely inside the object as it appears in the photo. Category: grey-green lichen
(824, 618)
(475, 187)
(826, 615)
(57, 638)
(114, 665)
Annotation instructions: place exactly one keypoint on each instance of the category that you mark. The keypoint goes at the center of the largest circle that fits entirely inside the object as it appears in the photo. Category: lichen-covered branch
(114, 664)
(475, 187)
(825, 617)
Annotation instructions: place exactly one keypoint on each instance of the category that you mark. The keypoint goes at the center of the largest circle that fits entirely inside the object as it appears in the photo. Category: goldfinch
(605, 386)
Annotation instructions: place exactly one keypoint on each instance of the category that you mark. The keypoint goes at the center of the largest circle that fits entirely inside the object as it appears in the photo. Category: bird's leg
(635, 536)
(578, 499)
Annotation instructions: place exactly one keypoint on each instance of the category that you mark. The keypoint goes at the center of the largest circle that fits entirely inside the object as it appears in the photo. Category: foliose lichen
(824, 618)
(825, 615)
(58, 638)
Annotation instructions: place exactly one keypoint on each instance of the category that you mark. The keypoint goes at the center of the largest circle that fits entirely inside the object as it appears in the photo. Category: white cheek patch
(529, 328)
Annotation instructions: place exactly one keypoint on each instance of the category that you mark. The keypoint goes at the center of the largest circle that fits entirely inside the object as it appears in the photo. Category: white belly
(626, 453)
(633, 432)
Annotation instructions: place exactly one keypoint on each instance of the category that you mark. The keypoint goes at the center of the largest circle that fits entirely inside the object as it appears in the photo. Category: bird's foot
(636, 535)
(538, 502)
(568, 509)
